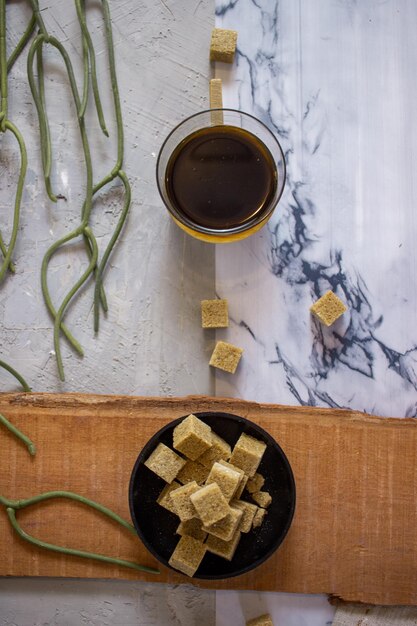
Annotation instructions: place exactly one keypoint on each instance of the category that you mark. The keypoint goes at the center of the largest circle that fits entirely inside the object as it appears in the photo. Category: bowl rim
(151, 444)
(221, 232)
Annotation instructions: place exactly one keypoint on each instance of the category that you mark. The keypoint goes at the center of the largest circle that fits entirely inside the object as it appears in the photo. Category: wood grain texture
(353, 533)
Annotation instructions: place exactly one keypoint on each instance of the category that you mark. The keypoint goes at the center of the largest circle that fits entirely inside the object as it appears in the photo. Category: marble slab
(334, 80)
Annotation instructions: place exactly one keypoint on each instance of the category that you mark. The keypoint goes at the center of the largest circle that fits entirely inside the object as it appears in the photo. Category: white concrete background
(151, 343)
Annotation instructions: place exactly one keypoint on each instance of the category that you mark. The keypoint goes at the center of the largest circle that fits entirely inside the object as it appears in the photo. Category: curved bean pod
(16, 375)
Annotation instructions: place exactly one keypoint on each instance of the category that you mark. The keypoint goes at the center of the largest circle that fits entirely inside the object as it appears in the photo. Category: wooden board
(354, 531)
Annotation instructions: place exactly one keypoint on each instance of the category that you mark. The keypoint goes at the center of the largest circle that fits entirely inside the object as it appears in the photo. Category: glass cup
(220, 174)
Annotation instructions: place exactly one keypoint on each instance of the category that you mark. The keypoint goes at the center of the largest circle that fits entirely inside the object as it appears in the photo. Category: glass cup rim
(221, 231)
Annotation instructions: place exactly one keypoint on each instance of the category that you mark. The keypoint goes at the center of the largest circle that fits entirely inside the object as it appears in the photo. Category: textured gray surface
(102, 603)
(151, 343)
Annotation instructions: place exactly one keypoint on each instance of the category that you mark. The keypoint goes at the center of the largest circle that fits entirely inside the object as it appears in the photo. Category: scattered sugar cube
(328, 308)
(248, 513)
(192, 437)
(262, 498)
(214, 314)
(226, 357)
(262, 620)
(188, 555)
(227, 479)
(225, 549)
(247, 453)
(181, 500)
(259, 518)
(164, 498)
(193, 470)
(223, 45)
(254, 484)
(220, 450)
(210, 504)
(226, 528)
(192, 528)
(165, 463)
(217, 119)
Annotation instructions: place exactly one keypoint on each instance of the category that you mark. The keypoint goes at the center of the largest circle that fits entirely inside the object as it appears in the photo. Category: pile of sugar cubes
(204, 485)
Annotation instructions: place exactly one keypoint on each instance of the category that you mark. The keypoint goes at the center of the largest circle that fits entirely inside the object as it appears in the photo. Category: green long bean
(14, 505)
(110, 246)
(18, 199)
(7, 125)
(82, 229)
(18, 433)
(117, 169)
(16, 375)
(3, 250)
(95, 265)
(38, 94)
(91, 56)
(30, 29)
(61, 311)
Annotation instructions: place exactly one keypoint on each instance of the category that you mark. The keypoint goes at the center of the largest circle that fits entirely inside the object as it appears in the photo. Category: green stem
(18, 433)
(110, 246)
(16, 375)
(38, 17)
(115, 172)
(22, 43)
(3, 66)
(87, 42)
(46, 146)
(45, 290)
(13, 505)
(19, 191)
(3, 250)
(39, 98)
(114, 86)
(68, 298)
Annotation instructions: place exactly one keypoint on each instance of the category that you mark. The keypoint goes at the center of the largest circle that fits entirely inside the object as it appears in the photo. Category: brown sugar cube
(214, 314)
(164, 498)
(262, 620)
(263, 498)
(328, 308)
(180, 498)
(247, 454)
(188, 555)
(227, 479)
(192, 437)
(223, 45)
(193, 470)
(217, 119)
(210, 504)
(243, 482)
(226, 357)
(248, 513)
(243, 477)
(259, 518)
(225, 549)
(220, 450)
(226, 528)
(165, 463)
(192, 528)
(254, 484)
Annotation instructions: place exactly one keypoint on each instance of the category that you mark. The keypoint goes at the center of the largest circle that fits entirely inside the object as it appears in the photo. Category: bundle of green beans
(97, 261)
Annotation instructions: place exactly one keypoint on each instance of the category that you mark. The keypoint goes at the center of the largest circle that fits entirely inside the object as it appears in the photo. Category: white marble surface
(151, 342)
(334, 80)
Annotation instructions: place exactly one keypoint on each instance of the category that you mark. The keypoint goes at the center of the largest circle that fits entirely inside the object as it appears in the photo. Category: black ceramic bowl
(156, 526)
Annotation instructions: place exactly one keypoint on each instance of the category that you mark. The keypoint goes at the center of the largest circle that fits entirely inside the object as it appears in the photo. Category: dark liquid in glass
(221, 177)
